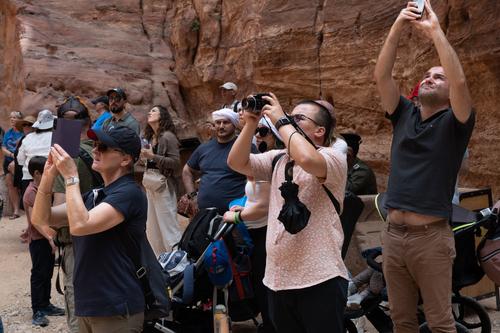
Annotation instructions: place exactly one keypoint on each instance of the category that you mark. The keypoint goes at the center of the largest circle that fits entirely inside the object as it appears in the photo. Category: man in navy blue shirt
(219, 184)
(429, 141)
(108, 295)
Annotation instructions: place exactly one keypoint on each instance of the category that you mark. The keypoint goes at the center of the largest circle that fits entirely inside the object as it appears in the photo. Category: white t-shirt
(34, 144)
(252, 191)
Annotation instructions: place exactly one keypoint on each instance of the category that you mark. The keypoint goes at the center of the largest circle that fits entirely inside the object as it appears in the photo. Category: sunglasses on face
(102, 147)
(262, 131)
(301, 117)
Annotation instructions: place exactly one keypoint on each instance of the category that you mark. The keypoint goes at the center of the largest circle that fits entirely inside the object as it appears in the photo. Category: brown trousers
(418, 261)
(115, 324)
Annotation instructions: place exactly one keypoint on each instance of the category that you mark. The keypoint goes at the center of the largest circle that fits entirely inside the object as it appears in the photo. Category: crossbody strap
(335, 202)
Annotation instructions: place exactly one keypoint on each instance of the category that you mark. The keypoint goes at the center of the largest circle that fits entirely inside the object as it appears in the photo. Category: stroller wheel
(470, 314)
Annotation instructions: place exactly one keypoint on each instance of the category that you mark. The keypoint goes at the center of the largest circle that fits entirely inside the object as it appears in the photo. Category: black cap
(101, 99)
(119, 91)
(353, 140)
(122, 137)
(73, 103)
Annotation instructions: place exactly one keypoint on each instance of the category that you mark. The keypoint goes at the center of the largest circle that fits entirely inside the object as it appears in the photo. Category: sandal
(14, 216)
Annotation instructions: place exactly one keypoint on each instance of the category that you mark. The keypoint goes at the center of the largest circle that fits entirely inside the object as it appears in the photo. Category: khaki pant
(419, 260)
(69, 293)
(162, 227)
(115, 324)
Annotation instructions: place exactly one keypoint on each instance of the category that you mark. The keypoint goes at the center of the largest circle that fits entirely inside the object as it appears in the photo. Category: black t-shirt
(104, 275)
(425, 159)
(219, 184)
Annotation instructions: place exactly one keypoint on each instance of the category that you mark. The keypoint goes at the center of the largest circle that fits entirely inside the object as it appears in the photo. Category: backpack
(217, 262)
(199, 232)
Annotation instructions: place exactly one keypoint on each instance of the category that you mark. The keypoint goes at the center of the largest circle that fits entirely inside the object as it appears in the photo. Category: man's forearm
(187, 180)
(387, 56)
(460, 99)
(239, 156)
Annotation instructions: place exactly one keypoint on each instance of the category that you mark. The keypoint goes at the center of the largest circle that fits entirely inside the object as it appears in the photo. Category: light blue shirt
(99, 121)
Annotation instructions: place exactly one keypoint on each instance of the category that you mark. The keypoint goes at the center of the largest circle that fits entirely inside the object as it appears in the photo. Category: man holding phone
(428, 144)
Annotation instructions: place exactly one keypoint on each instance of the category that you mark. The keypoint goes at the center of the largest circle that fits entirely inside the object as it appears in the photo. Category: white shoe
(354, 301)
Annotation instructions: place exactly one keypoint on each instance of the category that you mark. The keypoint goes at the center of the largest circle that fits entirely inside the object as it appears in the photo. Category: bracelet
(237, 218)
(44, 193)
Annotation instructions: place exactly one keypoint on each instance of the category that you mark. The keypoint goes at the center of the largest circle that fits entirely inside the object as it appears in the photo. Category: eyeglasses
(115, 98)
(262, 131)
(301, 117)
(102, 147)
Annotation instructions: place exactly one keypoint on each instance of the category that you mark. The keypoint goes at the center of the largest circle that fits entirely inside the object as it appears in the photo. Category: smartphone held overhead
(420, 7)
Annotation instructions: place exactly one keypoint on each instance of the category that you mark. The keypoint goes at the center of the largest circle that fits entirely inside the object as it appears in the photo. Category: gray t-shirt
(425, 159)
(128, 121)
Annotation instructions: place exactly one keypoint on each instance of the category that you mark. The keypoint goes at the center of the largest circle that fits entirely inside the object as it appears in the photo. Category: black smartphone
(67, 135)
(420, 7)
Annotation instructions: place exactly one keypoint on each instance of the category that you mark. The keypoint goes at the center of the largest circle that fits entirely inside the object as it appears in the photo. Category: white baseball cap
(229, 86)
(44, 120)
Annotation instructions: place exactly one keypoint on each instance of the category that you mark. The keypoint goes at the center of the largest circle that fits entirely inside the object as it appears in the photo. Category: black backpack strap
(275, 161)
(97, 180)
(332, 198)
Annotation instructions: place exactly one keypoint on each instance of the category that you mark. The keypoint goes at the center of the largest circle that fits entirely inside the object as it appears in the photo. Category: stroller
(469, 314)
(197, 304)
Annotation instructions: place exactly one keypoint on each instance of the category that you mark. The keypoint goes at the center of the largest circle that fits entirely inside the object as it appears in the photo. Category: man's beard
(116, 109)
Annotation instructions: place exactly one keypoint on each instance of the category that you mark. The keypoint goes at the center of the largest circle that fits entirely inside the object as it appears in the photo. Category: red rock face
(177, 52)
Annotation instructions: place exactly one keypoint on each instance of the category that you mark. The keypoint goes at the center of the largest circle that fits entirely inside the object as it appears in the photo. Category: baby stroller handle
(490, 218)
(370, 260)
(223, 230)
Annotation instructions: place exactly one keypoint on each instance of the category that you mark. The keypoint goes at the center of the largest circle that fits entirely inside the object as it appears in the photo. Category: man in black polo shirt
(108, 295)
(120, 117)
(428, 144)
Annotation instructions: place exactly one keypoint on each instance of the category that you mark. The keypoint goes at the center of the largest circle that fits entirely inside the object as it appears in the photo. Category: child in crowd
(42, 249)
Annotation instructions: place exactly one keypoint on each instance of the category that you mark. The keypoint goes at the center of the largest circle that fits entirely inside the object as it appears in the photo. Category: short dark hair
(37, 163)
(323, 118)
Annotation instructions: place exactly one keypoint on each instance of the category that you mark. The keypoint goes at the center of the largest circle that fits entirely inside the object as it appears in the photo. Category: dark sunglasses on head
(262, 131)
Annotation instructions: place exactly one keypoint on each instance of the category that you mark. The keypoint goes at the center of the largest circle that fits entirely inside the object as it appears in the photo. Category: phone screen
(420, 7)
(67, 134)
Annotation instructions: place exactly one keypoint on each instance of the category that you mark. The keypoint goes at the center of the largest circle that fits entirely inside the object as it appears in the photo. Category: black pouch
(294, 214)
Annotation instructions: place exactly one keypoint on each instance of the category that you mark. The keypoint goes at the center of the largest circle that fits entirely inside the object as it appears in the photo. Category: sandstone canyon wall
(177, 52)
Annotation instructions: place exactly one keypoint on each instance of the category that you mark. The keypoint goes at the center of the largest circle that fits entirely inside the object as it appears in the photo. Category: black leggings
(315, 309)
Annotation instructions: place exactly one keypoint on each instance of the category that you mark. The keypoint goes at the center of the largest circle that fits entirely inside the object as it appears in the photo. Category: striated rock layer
(177, 52)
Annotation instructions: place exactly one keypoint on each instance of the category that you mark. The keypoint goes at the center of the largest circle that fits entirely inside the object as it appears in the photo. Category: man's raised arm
(387, 87)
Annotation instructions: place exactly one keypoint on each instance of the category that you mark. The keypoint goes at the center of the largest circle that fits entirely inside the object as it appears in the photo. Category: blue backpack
(218, 264)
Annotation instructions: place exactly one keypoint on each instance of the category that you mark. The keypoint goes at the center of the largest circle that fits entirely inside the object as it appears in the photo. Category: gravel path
(15, 308)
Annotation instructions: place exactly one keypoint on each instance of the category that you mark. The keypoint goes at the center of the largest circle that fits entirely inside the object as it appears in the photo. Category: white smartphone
(420, 7)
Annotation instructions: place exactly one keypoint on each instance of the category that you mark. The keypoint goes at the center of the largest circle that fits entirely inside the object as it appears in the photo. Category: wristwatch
(72, 181)
(282, 121)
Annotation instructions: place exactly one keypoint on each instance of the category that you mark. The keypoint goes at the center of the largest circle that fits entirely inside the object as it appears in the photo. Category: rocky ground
(15, 294)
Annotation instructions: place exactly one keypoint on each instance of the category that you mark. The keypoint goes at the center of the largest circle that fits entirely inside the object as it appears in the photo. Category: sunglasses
(301, 117)
(262, 131)
(102, 147)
